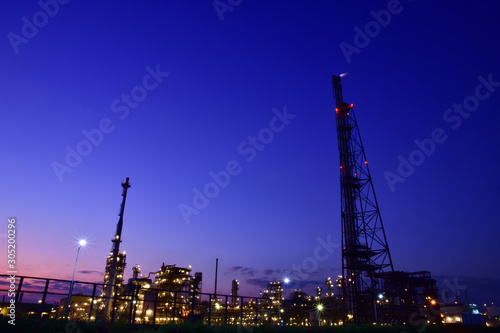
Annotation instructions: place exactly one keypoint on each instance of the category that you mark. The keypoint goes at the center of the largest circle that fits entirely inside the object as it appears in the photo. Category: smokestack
(216, 268)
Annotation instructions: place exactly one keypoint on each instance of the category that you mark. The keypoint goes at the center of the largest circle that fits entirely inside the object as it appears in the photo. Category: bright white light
(380, 296)
(343, 74)
(320, 307)
(82, 242)
(286, 280)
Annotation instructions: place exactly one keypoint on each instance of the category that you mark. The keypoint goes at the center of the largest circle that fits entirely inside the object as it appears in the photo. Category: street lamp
(380, 296)
(286, 281)
(81, 242)
(319, 308)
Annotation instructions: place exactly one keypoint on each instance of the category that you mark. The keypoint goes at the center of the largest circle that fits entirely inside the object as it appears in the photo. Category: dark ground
(37, 325)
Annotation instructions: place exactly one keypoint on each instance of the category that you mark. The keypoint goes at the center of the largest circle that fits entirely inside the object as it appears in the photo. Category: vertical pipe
(68, 305)
(209, 309)
(92, 301)
(132, 304)
(156, 305)
(225, 312)
(216, 268)
(192, 307)
(45, 290)
(256, 312)
(113, 312)
(18, 292)
(241, 311)
(175, 304)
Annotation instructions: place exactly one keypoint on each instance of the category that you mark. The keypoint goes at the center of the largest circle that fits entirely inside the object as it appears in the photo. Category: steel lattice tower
(364, 245)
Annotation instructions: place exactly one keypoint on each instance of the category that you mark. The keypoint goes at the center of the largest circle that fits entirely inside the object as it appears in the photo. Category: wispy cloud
(91, 272)
(242, 270)
(260, 282)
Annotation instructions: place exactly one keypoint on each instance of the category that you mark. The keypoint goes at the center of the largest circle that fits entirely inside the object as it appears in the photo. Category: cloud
(35, 284)
(242, 270)
(234, 268)
(91, 272)
(260, 282)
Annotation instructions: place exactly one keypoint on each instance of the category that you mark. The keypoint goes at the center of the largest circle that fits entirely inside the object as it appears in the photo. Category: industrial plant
(369, 290)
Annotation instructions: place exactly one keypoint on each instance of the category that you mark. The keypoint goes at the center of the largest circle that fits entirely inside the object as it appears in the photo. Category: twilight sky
(176, 93)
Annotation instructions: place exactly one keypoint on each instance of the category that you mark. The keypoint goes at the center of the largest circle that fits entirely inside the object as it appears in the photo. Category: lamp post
(285, 281)
(380, 297)
(320, 308)
(82, 242)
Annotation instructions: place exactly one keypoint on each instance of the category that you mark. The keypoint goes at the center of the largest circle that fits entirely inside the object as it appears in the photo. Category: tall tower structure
(115, 249)
(234, 292)
(365, 253)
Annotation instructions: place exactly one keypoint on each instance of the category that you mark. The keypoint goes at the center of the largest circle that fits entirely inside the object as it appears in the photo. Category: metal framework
(365, 252)
(110, 291)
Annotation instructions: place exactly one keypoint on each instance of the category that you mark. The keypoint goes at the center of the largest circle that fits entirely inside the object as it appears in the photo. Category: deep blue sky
(225, 78)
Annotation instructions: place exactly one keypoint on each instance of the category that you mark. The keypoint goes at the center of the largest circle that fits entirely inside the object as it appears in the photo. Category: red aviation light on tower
(366, 258)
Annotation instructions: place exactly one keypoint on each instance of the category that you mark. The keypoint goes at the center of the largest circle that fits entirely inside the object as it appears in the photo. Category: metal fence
(134, 303)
